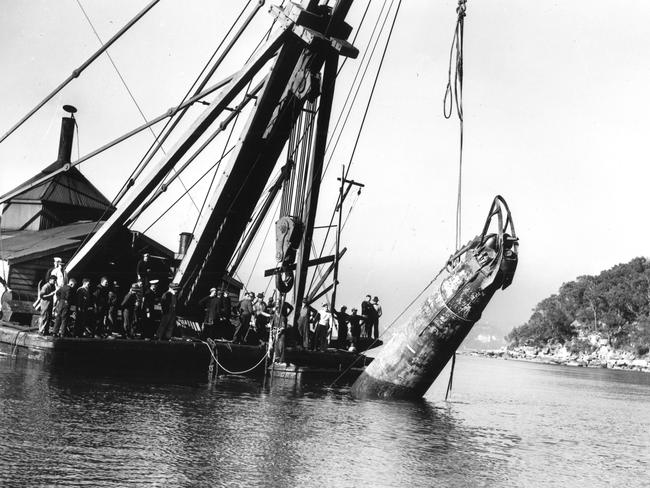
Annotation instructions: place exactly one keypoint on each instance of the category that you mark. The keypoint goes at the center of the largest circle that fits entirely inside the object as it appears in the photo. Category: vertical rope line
(454, 96)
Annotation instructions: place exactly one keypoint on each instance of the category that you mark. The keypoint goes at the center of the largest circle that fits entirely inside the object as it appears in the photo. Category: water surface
(508, 424)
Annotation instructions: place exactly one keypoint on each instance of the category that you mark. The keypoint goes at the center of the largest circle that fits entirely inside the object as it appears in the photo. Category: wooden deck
(178, 357)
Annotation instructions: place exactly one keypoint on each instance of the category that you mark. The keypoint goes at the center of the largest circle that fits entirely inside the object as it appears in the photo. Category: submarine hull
(418, 350)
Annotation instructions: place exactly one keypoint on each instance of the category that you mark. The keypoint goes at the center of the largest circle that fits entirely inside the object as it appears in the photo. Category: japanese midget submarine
(419, 349)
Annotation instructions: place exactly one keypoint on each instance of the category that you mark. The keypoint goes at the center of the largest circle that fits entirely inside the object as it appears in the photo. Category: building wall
(24, 277)
(17, 214)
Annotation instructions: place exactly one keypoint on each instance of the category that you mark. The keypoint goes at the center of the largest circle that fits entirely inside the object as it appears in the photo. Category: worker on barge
(149, 300)
(101, 307)
(65, 298)
(245, 314)
(84, 324)
(45, 301)
(168, 321)
(210, 304)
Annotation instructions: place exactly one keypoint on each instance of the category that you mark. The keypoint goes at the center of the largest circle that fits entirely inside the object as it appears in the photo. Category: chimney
(67, 136)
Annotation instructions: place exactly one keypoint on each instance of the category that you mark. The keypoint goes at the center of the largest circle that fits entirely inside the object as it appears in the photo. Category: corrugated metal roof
(21, 245)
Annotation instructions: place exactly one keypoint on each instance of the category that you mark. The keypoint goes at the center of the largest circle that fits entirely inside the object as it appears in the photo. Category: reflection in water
(509, 424)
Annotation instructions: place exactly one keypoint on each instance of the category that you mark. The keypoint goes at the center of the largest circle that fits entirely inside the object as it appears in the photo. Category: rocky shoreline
(603, 357)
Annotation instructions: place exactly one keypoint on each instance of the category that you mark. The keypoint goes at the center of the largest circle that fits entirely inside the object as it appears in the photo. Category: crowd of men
(262, 320)
(71, 309)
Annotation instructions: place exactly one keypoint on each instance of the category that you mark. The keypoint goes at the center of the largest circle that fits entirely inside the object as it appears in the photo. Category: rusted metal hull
(419, 349)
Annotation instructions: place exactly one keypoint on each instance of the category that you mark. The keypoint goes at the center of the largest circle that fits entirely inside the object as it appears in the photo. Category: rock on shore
(603, 357)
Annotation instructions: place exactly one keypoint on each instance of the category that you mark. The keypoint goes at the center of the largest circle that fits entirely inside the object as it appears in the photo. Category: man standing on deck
(279, 324)
(261, 318)
(57, 271)
(101, 306)
(113, 304)
(378, 314)
(211, 306)
(368, 313)
(65, 296)
(342, 319)
(245, 314)
(46, 296)
(225, 311)
(149, 299)
(143, 269)
(168, 320)
(303, 324)
(355, 329)
(323, 328)
(83, 319)
(129, 311)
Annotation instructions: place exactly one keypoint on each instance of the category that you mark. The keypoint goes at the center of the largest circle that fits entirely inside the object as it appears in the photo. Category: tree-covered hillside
(613, 306)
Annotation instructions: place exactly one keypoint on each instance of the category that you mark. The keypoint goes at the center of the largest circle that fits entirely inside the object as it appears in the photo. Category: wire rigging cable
(365, 113)
(144, 161)
(80, 69)
(454, 97)
(128, 90)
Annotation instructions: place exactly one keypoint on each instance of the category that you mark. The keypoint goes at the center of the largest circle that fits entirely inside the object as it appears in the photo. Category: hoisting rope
(216, 360)
(454, 96)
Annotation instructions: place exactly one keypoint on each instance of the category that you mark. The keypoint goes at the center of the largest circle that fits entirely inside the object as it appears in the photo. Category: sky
(556, 114)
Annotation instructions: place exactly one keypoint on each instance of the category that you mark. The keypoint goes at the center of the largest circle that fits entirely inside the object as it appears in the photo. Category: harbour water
(508, 423)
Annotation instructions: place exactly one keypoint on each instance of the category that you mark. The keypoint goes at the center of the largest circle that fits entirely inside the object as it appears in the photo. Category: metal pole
(338, 239)
(80, 69)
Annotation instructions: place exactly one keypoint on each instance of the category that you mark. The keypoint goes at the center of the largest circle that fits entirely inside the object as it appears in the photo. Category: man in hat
(57, 271)
(149, 300)
(225, 312)
(168, 319)
(261, 317)
(143, 270)
(378, 313)
(65, 297)
(355, 328)
(303, 324)
(101, 306)
(245, 314)
(83, 319)
(46, 296)
(113, 305)
(210, 305)
(342, 319)
(369, 315)
(323, 328)
(129, 307)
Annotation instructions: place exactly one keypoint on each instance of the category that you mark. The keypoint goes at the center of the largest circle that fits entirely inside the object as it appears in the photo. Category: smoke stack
(184, 243)
(67, 136)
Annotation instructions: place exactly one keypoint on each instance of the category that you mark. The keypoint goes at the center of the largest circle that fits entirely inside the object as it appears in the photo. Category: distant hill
(611, 308)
